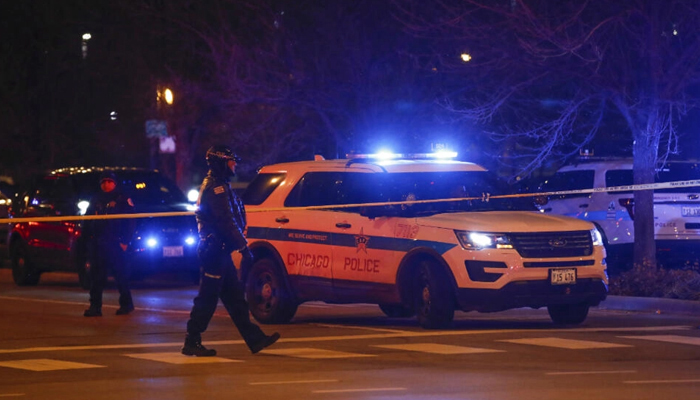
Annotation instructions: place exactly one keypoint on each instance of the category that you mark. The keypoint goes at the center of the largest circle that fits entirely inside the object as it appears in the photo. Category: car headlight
(151, 242)
(596, 237)
(481, 240)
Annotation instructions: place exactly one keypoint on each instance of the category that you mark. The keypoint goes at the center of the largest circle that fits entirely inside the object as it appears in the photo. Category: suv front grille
(553, 244)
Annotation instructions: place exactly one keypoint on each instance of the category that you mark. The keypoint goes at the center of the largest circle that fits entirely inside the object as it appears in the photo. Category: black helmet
(108, 175)
(217, 158)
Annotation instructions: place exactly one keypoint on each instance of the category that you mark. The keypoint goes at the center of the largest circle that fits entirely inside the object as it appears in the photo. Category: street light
(168, 96)
(466, 57)
(86, 36)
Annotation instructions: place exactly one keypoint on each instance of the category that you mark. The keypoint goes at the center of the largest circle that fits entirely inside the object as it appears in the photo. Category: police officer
(108, 240)
(221, 221)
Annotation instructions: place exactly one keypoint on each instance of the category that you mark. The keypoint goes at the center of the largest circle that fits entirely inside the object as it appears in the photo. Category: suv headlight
(596, 237)
(482, 240)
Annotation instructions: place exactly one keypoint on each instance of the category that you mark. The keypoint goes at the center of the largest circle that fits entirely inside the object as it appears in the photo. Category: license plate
(173, 251)
(562, 276)
(690, 211)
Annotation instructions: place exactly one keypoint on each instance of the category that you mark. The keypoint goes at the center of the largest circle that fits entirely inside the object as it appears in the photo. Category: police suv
(420, 236)
(676, 209)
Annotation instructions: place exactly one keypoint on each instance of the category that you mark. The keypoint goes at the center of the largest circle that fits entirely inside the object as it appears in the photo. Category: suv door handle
(343, 225)
(282, 220)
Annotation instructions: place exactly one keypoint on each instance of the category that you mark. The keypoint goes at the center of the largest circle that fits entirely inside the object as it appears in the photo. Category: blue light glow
(190, 240)
(151, 242)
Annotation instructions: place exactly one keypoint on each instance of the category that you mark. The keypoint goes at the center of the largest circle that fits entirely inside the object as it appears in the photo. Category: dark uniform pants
(109, 257)
(219, 281)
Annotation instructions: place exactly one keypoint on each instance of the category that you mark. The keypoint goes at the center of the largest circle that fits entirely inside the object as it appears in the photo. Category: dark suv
(159, 243)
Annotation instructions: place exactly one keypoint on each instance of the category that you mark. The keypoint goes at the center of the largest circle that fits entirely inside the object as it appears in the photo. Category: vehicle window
(54, 195)
(261, 187)
(316, 189)
(146, 189)
(449, 185)
(327, 188)
(619, 177)
(569, 180)
(672, 172)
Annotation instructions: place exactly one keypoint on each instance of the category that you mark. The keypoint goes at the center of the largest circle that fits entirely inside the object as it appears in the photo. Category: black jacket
(221, 212)
(110, 230)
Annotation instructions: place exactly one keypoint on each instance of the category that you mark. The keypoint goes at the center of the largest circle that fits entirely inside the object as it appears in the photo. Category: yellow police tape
(483, 197)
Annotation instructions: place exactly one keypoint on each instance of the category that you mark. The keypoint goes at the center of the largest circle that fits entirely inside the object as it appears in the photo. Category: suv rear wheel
(269, 299)
(24, 273)
(432, 296)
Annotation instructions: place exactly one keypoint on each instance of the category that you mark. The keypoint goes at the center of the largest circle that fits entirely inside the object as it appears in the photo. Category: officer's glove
(247, 255)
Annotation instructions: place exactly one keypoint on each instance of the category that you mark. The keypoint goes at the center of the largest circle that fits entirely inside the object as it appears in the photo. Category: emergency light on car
(405, 156)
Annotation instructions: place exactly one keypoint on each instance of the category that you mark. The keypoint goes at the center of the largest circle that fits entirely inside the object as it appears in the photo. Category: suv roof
(374, 165)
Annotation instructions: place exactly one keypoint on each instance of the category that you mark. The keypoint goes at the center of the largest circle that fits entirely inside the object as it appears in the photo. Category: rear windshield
(261, 187)
(145, 188)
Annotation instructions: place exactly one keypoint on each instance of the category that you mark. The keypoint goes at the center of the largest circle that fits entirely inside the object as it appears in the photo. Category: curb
(651, 304)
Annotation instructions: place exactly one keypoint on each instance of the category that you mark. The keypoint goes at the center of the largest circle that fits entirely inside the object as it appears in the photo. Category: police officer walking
(108, 240)
(221, 222)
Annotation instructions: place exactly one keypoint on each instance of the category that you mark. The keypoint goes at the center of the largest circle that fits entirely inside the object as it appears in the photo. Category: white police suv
(377, 231)
(676, 209)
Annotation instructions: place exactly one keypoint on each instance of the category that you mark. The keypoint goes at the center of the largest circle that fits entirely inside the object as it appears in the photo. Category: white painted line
(592, 372)
(45, 364)
(662, 381)
(177, 358)
(308, 352)
(695, 341)
(294, 382)
(360, 390)
(365, 328)
(565, 343)
(435, 348)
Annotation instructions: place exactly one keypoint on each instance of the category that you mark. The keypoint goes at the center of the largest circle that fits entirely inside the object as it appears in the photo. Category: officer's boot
(264, 342)
(93, 311)
(193, 347)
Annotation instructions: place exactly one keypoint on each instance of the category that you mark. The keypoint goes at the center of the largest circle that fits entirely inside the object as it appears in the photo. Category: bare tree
(552, 74)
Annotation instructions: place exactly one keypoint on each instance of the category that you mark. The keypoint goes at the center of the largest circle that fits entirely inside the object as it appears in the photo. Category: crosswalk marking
(308, 352)
(436, 348)
(695, 341)
(565, 343)
(45, 364)
(177, 358)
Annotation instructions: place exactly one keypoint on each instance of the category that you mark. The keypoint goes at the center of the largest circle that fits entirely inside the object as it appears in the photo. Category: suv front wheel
(269, 298)
(432, 296)
(24, 273)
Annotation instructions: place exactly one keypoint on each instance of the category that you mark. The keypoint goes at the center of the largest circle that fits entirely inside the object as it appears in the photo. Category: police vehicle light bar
(406, 156)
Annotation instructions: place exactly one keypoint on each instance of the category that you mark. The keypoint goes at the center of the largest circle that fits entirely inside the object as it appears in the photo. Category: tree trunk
(644, 170)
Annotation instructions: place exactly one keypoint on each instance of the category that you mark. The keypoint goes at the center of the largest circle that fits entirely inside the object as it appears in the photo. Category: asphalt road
(49, 350)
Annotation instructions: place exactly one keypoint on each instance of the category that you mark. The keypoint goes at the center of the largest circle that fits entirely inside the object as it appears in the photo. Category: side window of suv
(261, 187)
(619, 177)
(316, 189)
(569, 180)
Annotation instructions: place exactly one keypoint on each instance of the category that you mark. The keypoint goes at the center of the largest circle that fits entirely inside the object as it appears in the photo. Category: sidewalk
(651, 304)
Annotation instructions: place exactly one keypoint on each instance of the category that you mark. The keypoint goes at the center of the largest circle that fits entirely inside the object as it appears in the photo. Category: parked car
(676, 209)
(159, 243)
(425, 259)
